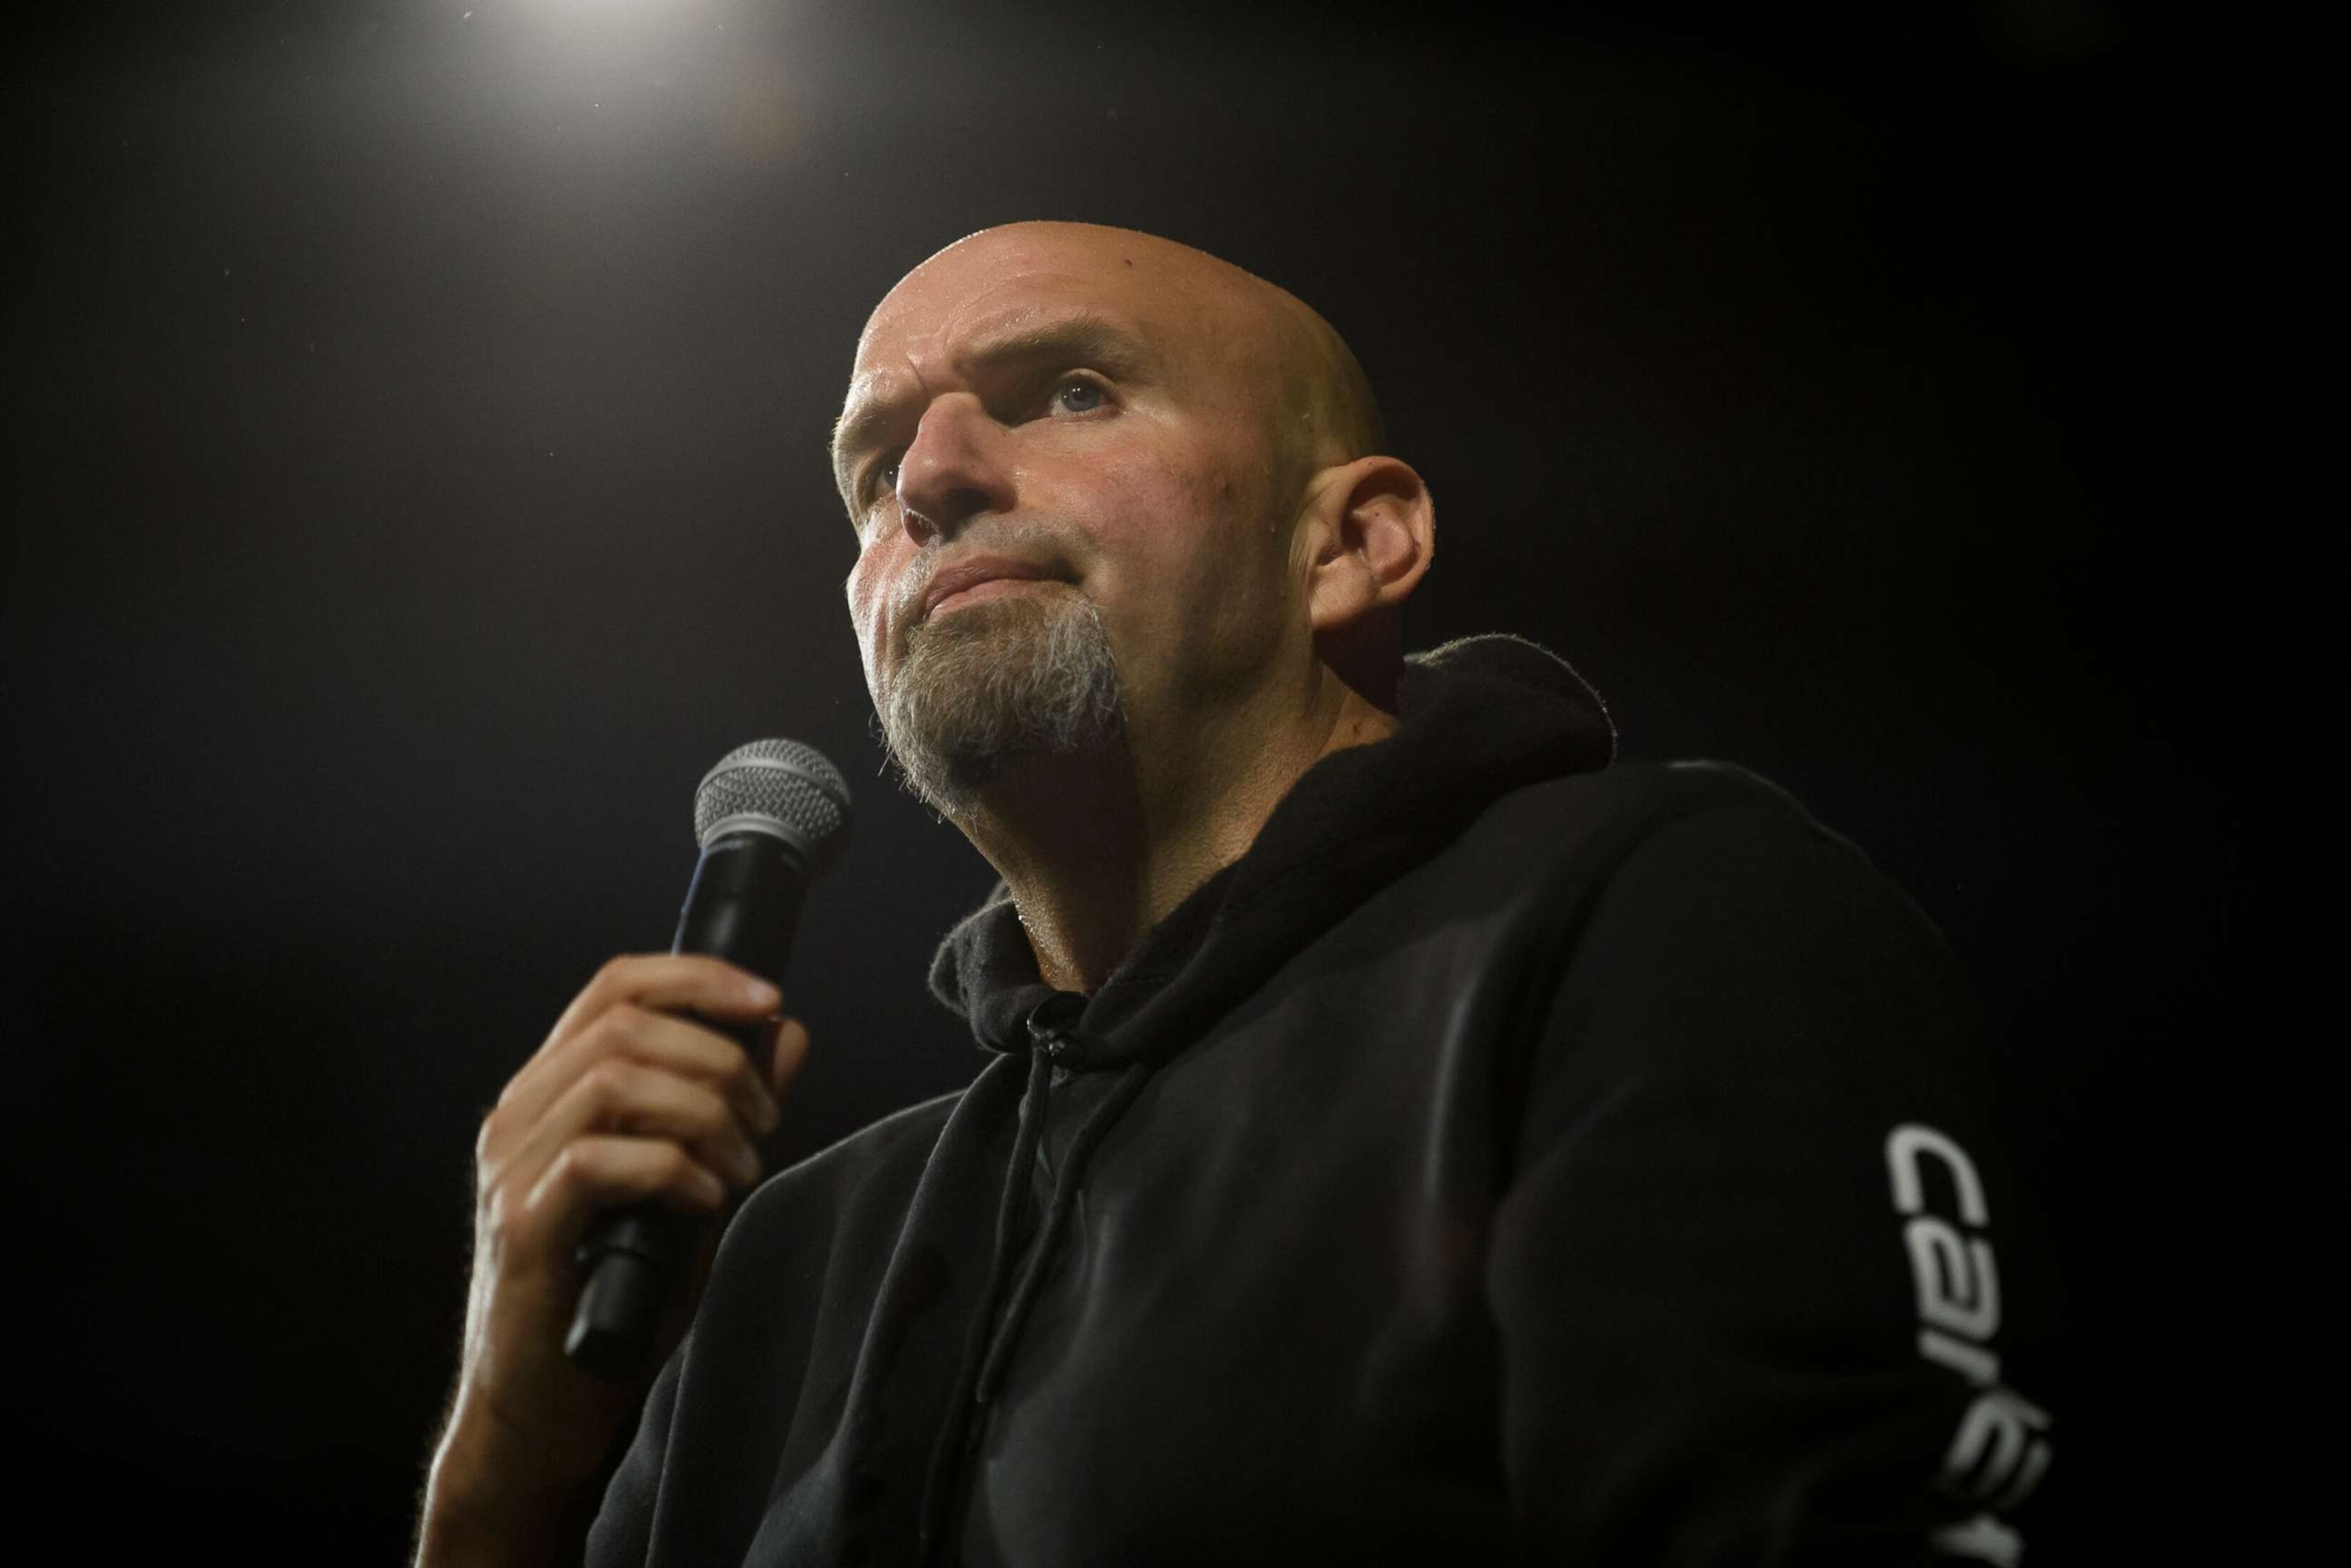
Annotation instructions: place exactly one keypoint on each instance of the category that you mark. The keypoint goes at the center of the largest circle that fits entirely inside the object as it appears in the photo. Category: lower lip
(993, 587)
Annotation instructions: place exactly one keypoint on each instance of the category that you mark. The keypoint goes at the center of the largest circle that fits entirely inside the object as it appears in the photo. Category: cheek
(867, 597)
(1197, 560)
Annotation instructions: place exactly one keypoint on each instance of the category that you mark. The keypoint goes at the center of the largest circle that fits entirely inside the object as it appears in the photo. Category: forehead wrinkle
(1084, 331)
(1030, 332)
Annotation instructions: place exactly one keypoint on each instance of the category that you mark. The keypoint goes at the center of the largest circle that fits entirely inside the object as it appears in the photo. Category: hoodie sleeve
(1754, 1277)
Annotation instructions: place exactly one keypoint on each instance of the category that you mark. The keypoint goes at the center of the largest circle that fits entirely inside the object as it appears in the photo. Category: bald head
(1273, 353)
(1325, 393)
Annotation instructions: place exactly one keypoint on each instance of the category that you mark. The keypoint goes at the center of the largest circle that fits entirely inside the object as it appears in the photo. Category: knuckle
(609, 1081)
(617, 1026)
(692, 1050)
(610, 1094)
(502, 1108)
(491, 1134)
(679, 1168)
(709, 1107)
(564, 1169)
(576, 1168)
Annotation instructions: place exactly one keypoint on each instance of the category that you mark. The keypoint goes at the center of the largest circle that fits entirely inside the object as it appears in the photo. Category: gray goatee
(1029, 673)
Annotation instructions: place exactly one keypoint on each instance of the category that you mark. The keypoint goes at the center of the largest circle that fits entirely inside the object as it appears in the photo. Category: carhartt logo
(2002, 1447)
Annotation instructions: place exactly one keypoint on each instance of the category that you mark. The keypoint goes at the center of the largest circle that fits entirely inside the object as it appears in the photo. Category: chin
(1004, 677)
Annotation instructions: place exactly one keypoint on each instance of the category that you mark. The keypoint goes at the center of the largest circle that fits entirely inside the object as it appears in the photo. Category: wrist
(480, 1513)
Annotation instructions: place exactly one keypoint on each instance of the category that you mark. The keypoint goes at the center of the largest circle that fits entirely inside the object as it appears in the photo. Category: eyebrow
(1081, 338)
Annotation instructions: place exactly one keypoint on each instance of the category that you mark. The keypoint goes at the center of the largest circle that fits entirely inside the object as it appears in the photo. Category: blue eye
(1079, 397)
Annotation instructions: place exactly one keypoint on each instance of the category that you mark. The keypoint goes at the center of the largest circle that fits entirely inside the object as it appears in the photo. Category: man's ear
(1369, 538)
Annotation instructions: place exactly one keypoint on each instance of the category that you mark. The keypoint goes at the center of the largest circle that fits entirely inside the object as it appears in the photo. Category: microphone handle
(743, 906)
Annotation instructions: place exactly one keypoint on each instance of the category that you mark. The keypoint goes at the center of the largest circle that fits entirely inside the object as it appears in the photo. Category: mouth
(974, 580)
(994, 587)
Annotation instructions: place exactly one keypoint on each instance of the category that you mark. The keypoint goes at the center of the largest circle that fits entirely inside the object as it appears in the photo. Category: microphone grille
(777, 787)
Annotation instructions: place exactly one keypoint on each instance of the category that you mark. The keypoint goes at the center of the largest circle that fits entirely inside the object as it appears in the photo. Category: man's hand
(625, 1102)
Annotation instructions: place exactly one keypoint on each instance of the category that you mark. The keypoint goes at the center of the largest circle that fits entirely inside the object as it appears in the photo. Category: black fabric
(1356, 820)
(1503, 1160)
(1480, 716)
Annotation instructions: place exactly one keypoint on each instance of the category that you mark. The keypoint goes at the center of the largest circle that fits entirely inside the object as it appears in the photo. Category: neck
(1097, 849)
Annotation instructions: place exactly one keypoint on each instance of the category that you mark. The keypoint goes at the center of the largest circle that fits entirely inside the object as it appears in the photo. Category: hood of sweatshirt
(1477, 718)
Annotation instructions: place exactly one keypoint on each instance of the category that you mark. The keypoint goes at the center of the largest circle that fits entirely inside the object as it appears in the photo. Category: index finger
(669, 982)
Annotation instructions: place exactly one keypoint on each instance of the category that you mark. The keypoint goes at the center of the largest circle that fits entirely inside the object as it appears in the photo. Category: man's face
(1060, 422)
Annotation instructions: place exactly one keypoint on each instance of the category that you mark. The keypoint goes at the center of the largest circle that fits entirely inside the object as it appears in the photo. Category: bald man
(1403, 1134)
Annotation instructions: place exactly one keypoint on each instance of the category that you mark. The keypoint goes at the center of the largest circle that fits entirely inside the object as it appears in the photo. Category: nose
(952, 472)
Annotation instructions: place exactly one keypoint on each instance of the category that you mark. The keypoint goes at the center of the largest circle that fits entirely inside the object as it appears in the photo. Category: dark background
(416, 429)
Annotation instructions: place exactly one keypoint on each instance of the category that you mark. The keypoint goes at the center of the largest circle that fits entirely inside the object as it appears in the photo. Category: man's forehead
(941, 317)
(887, 348)
(1190, 316)
(892, 369)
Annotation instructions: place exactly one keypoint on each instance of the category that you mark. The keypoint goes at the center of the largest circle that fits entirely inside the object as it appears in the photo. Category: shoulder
(1713, 840)
(1567, 842)
(1622, 803)
(1681, 908)
(1716, 926)
(1638, 821)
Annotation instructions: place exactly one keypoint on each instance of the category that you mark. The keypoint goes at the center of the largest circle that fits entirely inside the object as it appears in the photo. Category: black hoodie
(1511, 1157)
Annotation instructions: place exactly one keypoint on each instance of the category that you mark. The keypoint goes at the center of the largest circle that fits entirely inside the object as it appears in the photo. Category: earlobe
(1379, 536)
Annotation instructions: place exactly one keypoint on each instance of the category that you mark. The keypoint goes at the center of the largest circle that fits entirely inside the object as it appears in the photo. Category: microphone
(771, 817)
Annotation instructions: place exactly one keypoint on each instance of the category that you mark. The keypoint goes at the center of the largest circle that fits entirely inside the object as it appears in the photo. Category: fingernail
(760, 994)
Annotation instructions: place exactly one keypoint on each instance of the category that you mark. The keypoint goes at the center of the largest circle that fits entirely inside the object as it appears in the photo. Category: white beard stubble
(1014, 676)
